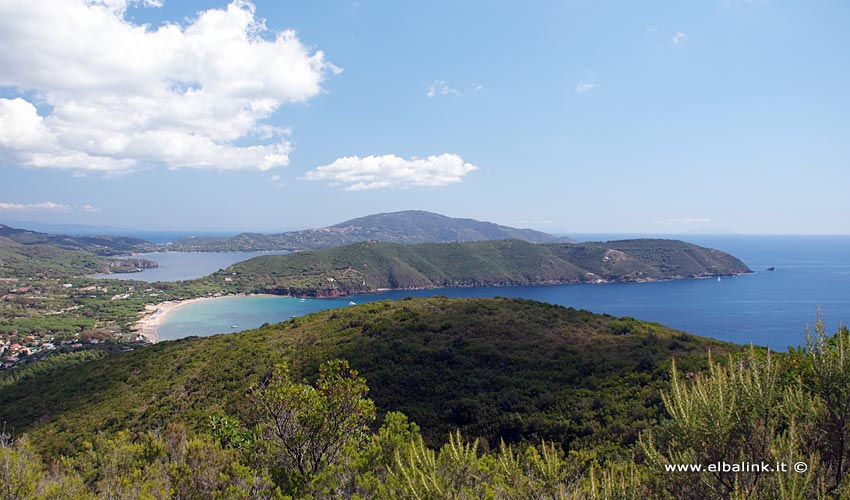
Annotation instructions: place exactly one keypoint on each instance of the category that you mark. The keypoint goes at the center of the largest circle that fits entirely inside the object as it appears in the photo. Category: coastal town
(32, 348)
(48, 314)
(43, 317)
(40, 317)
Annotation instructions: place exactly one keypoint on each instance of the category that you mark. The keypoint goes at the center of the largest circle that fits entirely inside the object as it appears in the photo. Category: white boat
(718, 278)
(233, 326)
(352, 303)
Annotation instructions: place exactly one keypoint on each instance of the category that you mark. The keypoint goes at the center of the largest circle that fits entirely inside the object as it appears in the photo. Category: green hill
(100, 245)
(370, 266)
(412, 226)
(495, 368)
(37, 260)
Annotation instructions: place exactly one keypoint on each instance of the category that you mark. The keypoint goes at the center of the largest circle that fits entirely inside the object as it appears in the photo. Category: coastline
(155, 314)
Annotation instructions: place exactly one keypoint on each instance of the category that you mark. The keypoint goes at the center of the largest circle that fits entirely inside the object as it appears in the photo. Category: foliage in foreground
(311, 442)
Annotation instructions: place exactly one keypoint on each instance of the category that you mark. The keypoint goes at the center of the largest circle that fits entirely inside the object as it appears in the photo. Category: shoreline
(155, 314)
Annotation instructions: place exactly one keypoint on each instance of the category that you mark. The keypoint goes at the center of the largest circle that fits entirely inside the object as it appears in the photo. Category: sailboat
(718, 278)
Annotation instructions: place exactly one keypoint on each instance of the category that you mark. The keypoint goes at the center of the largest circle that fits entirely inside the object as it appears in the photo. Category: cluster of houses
(15, 349)
(12, 353)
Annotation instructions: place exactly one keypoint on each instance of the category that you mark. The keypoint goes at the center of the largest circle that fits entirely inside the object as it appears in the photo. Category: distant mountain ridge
(420, 227)
(99, 245)
(412, 226)
(371, 266)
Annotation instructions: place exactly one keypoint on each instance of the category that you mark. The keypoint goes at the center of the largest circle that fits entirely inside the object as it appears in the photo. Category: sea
(766, 308)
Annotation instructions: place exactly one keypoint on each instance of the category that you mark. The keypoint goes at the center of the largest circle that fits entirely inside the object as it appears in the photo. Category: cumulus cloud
(91, 209)
(679, 37)
(99, 93)
(373, 172)
(440, 87)
(45, 206)
(583, 87)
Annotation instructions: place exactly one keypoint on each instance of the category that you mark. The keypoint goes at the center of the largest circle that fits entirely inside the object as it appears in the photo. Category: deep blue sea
(765, 308)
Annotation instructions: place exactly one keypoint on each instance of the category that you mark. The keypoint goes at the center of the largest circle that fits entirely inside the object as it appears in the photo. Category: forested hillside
(100, 245)
(38, 260)
(501, 399)
(494, 368)
(370, 266)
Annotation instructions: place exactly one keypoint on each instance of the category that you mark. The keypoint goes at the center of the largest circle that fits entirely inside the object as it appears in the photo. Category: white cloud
(372, 172)
(277, 180)
(45, 206)
(679, 37)
(440, 87)
(114, 95)
(91, 209)
(583, 87)
(684, 221)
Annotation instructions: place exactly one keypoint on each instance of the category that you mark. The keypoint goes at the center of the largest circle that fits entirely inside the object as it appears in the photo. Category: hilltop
(370, 266)
(495, 368)
(413, 226)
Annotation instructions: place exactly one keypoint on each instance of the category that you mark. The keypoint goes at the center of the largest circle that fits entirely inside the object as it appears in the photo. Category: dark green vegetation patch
(494, 368)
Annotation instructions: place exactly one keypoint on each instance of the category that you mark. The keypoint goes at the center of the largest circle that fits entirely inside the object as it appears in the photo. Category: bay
(768, 308)
(176, 266)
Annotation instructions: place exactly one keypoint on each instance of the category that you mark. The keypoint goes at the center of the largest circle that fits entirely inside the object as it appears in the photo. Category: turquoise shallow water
(765, 308)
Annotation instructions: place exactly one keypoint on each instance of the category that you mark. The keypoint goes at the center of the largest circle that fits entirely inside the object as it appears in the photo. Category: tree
(825, 375)
(20, 468)
(306, 427)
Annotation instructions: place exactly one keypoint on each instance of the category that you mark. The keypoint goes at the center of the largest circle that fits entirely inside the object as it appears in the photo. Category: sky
(707, 116)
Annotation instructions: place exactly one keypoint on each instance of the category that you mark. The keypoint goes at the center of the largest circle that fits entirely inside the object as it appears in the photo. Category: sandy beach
(155, 314)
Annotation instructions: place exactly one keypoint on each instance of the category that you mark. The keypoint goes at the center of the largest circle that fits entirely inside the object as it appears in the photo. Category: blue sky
(639, 117)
